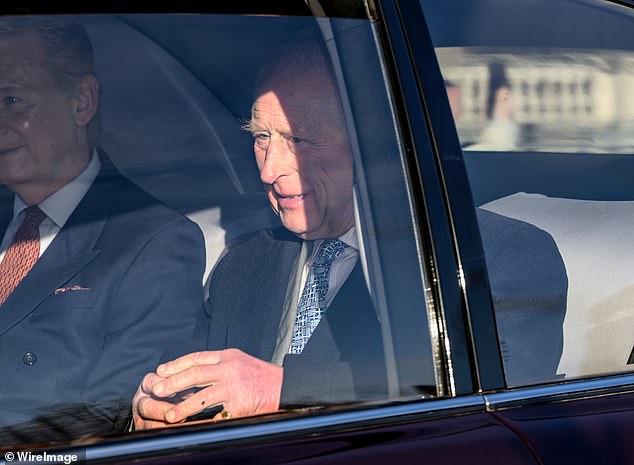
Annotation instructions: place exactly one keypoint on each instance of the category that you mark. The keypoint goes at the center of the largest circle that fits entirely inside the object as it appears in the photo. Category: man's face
(38, 133)
(303, 154)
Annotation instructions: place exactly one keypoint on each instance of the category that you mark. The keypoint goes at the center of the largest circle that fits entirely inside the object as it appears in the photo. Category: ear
(86, 99)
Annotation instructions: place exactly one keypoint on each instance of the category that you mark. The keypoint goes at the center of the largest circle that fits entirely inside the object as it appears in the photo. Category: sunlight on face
(304, 157)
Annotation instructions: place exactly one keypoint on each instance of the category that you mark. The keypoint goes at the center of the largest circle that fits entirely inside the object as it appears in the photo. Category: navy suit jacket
(342, 361)
(528, 284)
(529, 287)
(140, 266)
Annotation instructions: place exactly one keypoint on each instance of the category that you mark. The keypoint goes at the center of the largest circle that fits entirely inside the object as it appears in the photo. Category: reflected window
(547, 131)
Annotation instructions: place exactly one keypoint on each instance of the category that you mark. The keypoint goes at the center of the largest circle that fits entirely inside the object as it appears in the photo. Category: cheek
(339, 191)
(272, 199)
(20, 122)
(338, 171)
(259, 156)
(33, 129)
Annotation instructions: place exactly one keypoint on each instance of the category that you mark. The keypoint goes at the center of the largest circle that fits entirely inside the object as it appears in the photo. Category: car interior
(174, 99)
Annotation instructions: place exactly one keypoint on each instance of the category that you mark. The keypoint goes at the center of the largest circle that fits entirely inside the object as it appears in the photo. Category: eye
(10, 100)
(294, 140)
(261, 139)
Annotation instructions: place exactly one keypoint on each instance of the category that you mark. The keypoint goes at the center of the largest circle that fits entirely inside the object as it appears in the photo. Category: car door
(177, 89)
(562, 171)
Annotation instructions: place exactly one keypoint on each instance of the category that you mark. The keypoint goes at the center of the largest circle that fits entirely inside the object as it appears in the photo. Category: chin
(301, 232)
(294, 223)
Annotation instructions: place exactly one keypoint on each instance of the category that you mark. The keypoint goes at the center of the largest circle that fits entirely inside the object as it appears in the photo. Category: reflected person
(501, 133)
(91, 284)
(289, 319)
(527, 278)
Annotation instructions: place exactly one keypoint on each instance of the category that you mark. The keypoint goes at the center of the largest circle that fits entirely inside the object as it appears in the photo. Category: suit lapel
(70, 251)
(351, 307)
(255, 321)
(6, 213)
(354, 291)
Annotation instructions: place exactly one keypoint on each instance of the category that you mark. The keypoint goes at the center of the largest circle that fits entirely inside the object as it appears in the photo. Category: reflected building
(564, 100)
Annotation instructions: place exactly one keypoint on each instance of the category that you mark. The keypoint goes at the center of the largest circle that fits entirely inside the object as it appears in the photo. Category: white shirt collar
(61, 204)
(350, 238)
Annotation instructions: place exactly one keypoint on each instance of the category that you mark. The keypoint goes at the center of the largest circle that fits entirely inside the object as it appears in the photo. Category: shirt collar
(61, 204)
(350, 238)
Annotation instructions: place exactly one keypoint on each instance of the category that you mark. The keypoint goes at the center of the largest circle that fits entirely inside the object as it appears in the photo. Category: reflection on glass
(562, 100)
(121, 285)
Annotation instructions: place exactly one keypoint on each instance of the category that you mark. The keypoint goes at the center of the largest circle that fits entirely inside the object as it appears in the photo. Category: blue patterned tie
(312, 303)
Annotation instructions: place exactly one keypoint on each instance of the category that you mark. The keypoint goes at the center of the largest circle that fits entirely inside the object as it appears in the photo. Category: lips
(290, 201)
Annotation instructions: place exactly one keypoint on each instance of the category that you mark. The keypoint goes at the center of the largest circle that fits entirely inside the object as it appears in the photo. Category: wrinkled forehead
(282, 112)
(297, 103)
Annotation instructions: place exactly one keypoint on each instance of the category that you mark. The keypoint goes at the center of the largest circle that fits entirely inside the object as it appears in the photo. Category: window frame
(497, 393)
(440, 265)
(466, 298)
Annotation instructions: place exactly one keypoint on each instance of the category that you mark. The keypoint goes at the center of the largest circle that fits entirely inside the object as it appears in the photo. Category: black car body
(177, 80)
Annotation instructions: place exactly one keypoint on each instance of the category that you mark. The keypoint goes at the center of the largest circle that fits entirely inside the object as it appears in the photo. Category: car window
(540, 94)
(173, 213)
(543, 90)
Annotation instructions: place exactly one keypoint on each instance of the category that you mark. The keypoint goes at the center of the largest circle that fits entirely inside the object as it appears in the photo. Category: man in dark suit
(258, 348)
(269, 294)
(94, 273)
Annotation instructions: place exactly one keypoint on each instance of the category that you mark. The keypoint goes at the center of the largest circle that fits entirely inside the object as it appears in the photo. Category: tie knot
(34, 216)
(330, 249)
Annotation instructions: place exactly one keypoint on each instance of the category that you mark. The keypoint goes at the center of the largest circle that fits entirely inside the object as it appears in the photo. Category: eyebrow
(307, 126)
(253, 128)
(9, 87)
(250, 126)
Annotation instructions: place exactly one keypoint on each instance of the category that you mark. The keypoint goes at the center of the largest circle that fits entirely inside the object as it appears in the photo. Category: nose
(277, 160)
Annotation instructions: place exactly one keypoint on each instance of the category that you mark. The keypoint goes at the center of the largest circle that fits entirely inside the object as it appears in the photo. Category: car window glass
(126, 277)
(541, 94)
(524, 89)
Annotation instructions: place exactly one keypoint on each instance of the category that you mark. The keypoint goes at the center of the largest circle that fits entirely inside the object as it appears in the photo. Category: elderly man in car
(289, 318)
(289, 321)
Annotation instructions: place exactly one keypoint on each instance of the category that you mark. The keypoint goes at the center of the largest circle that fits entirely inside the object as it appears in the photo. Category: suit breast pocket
(84, 299)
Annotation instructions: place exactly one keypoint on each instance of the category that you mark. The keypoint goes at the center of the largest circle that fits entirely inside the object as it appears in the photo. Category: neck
(35, 192)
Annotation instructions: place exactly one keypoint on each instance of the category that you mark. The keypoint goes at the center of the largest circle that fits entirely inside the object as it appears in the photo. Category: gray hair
(303, 54)
(305, 51)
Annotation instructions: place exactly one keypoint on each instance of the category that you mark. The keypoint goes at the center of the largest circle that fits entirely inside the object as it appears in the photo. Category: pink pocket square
(72, 288)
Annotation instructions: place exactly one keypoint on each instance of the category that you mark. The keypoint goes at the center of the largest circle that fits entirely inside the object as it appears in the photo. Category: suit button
(29, 358)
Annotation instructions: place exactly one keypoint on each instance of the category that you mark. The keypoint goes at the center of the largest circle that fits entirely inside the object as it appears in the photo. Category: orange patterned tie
(22, 253)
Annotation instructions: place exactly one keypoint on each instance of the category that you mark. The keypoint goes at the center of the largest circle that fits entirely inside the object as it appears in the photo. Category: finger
(149, 381)
(203, 399)
(142, 423)
(193, 377)
(187, 361)
(153, 409)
